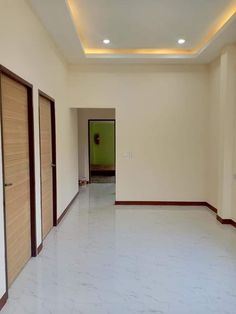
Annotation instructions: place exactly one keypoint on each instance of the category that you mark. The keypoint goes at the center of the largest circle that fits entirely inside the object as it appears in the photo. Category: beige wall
(228, 128)
(27, 50)
(83, 116)
(213, 170)
(222, 135)
(161, 118)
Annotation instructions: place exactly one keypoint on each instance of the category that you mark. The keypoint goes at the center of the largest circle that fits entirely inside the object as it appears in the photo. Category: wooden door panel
(17, 173)
(46, 165)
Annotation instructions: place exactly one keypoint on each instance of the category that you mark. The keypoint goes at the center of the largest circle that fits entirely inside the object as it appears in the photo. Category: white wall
(27, 50)
(213, 170)
(161, 117)
(83, 116)
(222, 135)
(228, 127)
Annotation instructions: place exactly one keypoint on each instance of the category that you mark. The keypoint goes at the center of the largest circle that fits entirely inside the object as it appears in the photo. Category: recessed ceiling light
(106, 41)
(181, 41)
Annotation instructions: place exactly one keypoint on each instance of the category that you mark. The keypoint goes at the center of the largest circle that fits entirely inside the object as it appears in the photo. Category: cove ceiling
(139, 31)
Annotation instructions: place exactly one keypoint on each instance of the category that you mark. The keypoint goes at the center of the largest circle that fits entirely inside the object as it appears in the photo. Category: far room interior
(102, 151)
(97, 145)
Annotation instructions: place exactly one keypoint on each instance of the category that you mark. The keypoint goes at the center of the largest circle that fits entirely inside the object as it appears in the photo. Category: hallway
(106, 259)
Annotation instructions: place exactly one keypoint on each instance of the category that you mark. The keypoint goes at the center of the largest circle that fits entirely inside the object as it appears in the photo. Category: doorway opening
(101, 137)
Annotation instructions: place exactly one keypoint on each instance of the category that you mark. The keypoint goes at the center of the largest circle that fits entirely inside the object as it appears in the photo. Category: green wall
(104, 152)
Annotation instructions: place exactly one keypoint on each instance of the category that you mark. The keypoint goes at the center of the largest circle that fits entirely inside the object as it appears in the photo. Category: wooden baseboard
(39, 249)
(161, 203)
(221, 220)
(179, 203)
(211, 207)
(3, 300)
(67, 208)
(226, 221)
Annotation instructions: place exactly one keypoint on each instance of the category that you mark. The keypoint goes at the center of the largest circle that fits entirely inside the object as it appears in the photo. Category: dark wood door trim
(29, 87)
(92, 120)
(3, 300)
(54, 156)
(15, 77)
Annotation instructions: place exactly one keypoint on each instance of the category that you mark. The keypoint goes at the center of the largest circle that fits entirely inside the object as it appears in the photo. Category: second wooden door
(46, 164)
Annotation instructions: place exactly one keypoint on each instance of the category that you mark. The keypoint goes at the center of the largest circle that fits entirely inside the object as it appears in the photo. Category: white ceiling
(136, 24)
(147, 23)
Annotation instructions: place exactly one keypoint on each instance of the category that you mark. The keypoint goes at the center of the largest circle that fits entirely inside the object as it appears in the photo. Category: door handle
(8, 184)
(53, 165)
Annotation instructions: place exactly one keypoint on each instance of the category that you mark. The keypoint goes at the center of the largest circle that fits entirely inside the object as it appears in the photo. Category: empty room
(118, 156)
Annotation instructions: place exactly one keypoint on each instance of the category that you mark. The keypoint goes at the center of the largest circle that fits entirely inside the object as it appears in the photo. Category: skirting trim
(3, 300)
(67, 208)
(226, 221)
(39, 249)
(179, 203)
(161, 203)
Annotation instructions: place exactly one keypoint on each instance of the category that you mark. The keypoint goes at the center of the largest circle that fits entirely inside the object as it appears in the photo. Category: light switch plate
(128, 155)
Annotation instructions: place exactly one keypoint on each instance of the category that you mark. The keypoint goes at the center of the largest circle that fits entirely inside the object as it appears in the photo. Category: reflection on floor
(106, 259)
(103, 179)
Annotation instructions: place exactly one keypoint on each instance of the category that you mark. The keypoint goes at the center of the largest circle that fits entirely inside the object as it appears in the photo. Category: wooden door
(16, 175)
(46, 164)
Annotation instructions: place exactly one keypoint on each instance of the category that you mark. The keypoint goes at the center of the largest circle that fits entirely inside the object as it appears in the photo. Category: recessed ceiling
(140, 29)
(136, 24)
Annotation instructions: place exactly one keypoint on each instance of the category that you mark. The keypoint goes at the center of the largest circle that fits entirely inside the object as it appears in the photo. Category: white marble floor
(104, 259)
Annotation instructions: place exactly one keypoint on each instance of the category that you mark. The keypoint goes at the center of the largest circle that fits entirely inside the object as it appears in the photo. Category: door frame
(54, 157)
(29, 87)
(92, 120)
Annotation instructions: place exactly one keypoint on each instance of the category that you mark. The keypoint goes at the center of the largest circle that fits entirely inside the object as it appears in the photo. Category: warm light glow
(108, 51)
(181, 41)
(223, 20)
(77, 21)
(106, 41)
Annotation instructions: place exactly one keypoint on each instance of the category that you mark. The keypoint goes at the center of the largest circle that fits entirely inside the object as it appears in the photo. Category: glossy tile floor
(129, 260)
(103, 179)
